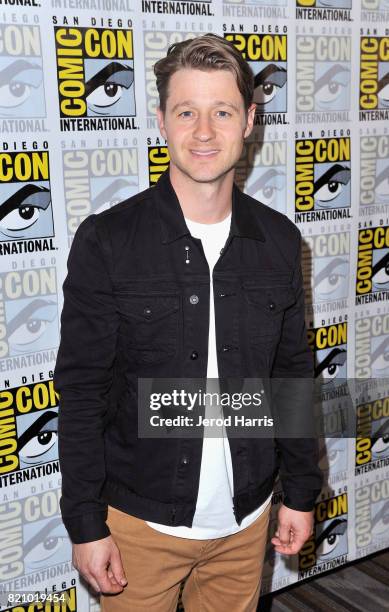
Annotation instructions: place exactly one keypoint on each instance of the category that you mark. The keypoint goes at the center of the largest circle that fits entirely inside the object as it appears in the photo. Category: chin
(206, 175)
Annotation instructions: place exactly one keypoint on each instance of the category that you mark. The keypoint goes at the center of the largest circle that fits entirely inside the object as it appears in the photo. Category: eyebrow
(216, 103)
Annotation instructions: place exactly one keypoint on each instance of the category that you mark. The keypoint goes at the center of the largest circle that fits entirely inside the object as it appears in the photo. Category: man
(145, 513)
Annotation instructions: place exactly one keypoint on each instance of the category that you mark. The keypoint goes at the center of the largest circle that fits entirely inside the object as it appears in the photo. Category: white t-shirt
(214, 517)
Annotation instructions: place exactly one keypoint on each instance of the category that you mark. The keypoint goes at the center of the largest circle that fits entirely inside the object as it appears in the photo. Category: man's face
(205, 123)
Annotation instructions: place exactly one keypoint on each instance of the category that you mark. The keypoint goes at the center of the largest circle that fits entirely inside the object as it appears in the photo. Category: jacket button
(225, 348)
(194, 299)
(194, 355)
(184, 460)
(272, 305)
(147, 311)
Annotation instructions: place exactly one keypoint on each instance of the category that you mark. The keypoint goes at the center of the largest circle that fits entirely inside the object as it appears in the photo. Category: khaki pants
(220, 574)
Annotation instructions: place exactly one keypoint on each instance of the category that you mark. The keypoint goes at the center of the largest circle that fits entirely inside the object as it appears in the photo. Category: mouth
(204, 154)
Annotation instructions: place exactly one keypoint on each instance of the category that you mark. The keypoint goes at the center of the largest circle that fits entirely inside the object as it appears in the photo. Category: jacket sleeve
(293, 400)
(83, 378)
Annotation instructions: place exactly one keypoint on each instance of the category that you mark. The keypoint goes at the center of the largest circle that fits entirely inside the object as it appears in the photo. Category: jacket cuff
(300, 499)
(87, 527)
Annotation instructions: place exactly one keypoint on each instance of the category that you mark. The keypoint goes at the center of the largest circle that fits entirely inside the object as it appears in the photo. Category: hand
(99, 562)
(293, 530)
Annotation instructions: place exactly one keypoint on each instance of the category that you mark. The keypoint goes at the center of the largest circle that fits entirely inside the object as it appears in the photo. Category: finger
(111, 576)
(287, 550)
(105, 584)
(117, 567)
(284, 534)
(89, 578)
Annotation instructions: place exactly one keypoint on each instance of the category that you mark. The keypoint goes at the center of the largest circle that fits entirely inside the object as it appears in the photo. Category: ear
(250, 119)
(161, 122)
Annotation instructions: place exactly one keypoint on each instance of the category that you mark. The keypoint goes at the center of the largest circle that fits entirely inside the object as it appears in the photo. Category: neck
(203, 202)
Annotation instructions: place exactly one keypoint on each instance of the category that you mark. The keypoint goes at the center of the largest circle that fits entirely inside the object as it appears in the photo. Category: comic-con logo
(372, 428)
(329, 344)
(97, 179)
(25, 209)
(322, 73)
(371, 516)
(95, 72)
(373, 264)
(267, 55)
(327, 547)
(374, 172)
(374, 77)
(21, 73)
(372, 346)
(29, 315)
(326, 258)
(261, 171)
(158, 161)
(322, 179)
(29, 420)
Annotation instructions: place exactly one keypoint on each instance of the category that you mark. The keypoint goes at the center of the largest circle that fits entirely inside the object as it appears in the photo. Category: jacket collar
(243, 221)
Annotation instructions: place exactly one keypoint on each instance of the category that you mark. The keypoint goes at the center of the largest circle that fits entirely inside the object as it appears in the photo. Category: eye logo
(46, 543)
(269, 188)
(95, 70)
(21, 72)
(267, 84)
(38, 442)
(267, 55)
(106, 92)
(333, 455)
(323, 73)
(374, 74)
(25, 197)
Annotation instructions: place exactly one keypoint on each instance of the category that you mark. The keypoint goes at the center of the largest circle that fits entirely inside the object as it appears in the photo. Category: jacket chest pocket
(149, 325)
(266, 306)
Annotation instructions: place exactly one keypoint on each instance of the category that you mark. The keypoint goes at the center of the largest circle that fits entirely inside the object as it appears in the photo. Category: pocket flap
(148, 307)
(271, 299)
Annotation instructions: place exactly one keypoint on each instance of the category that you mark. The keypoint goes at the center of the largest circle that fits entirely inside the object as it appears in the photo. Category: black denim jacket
(129, 312)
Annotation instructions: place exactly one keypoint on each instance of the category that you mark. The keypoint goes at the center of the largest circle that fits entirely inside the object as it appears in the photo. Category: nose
(203, 129)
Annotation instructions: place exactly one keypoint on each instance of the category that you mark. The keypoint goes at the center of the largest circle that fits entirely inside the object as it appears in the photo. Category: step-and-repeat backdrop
(79, 134)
